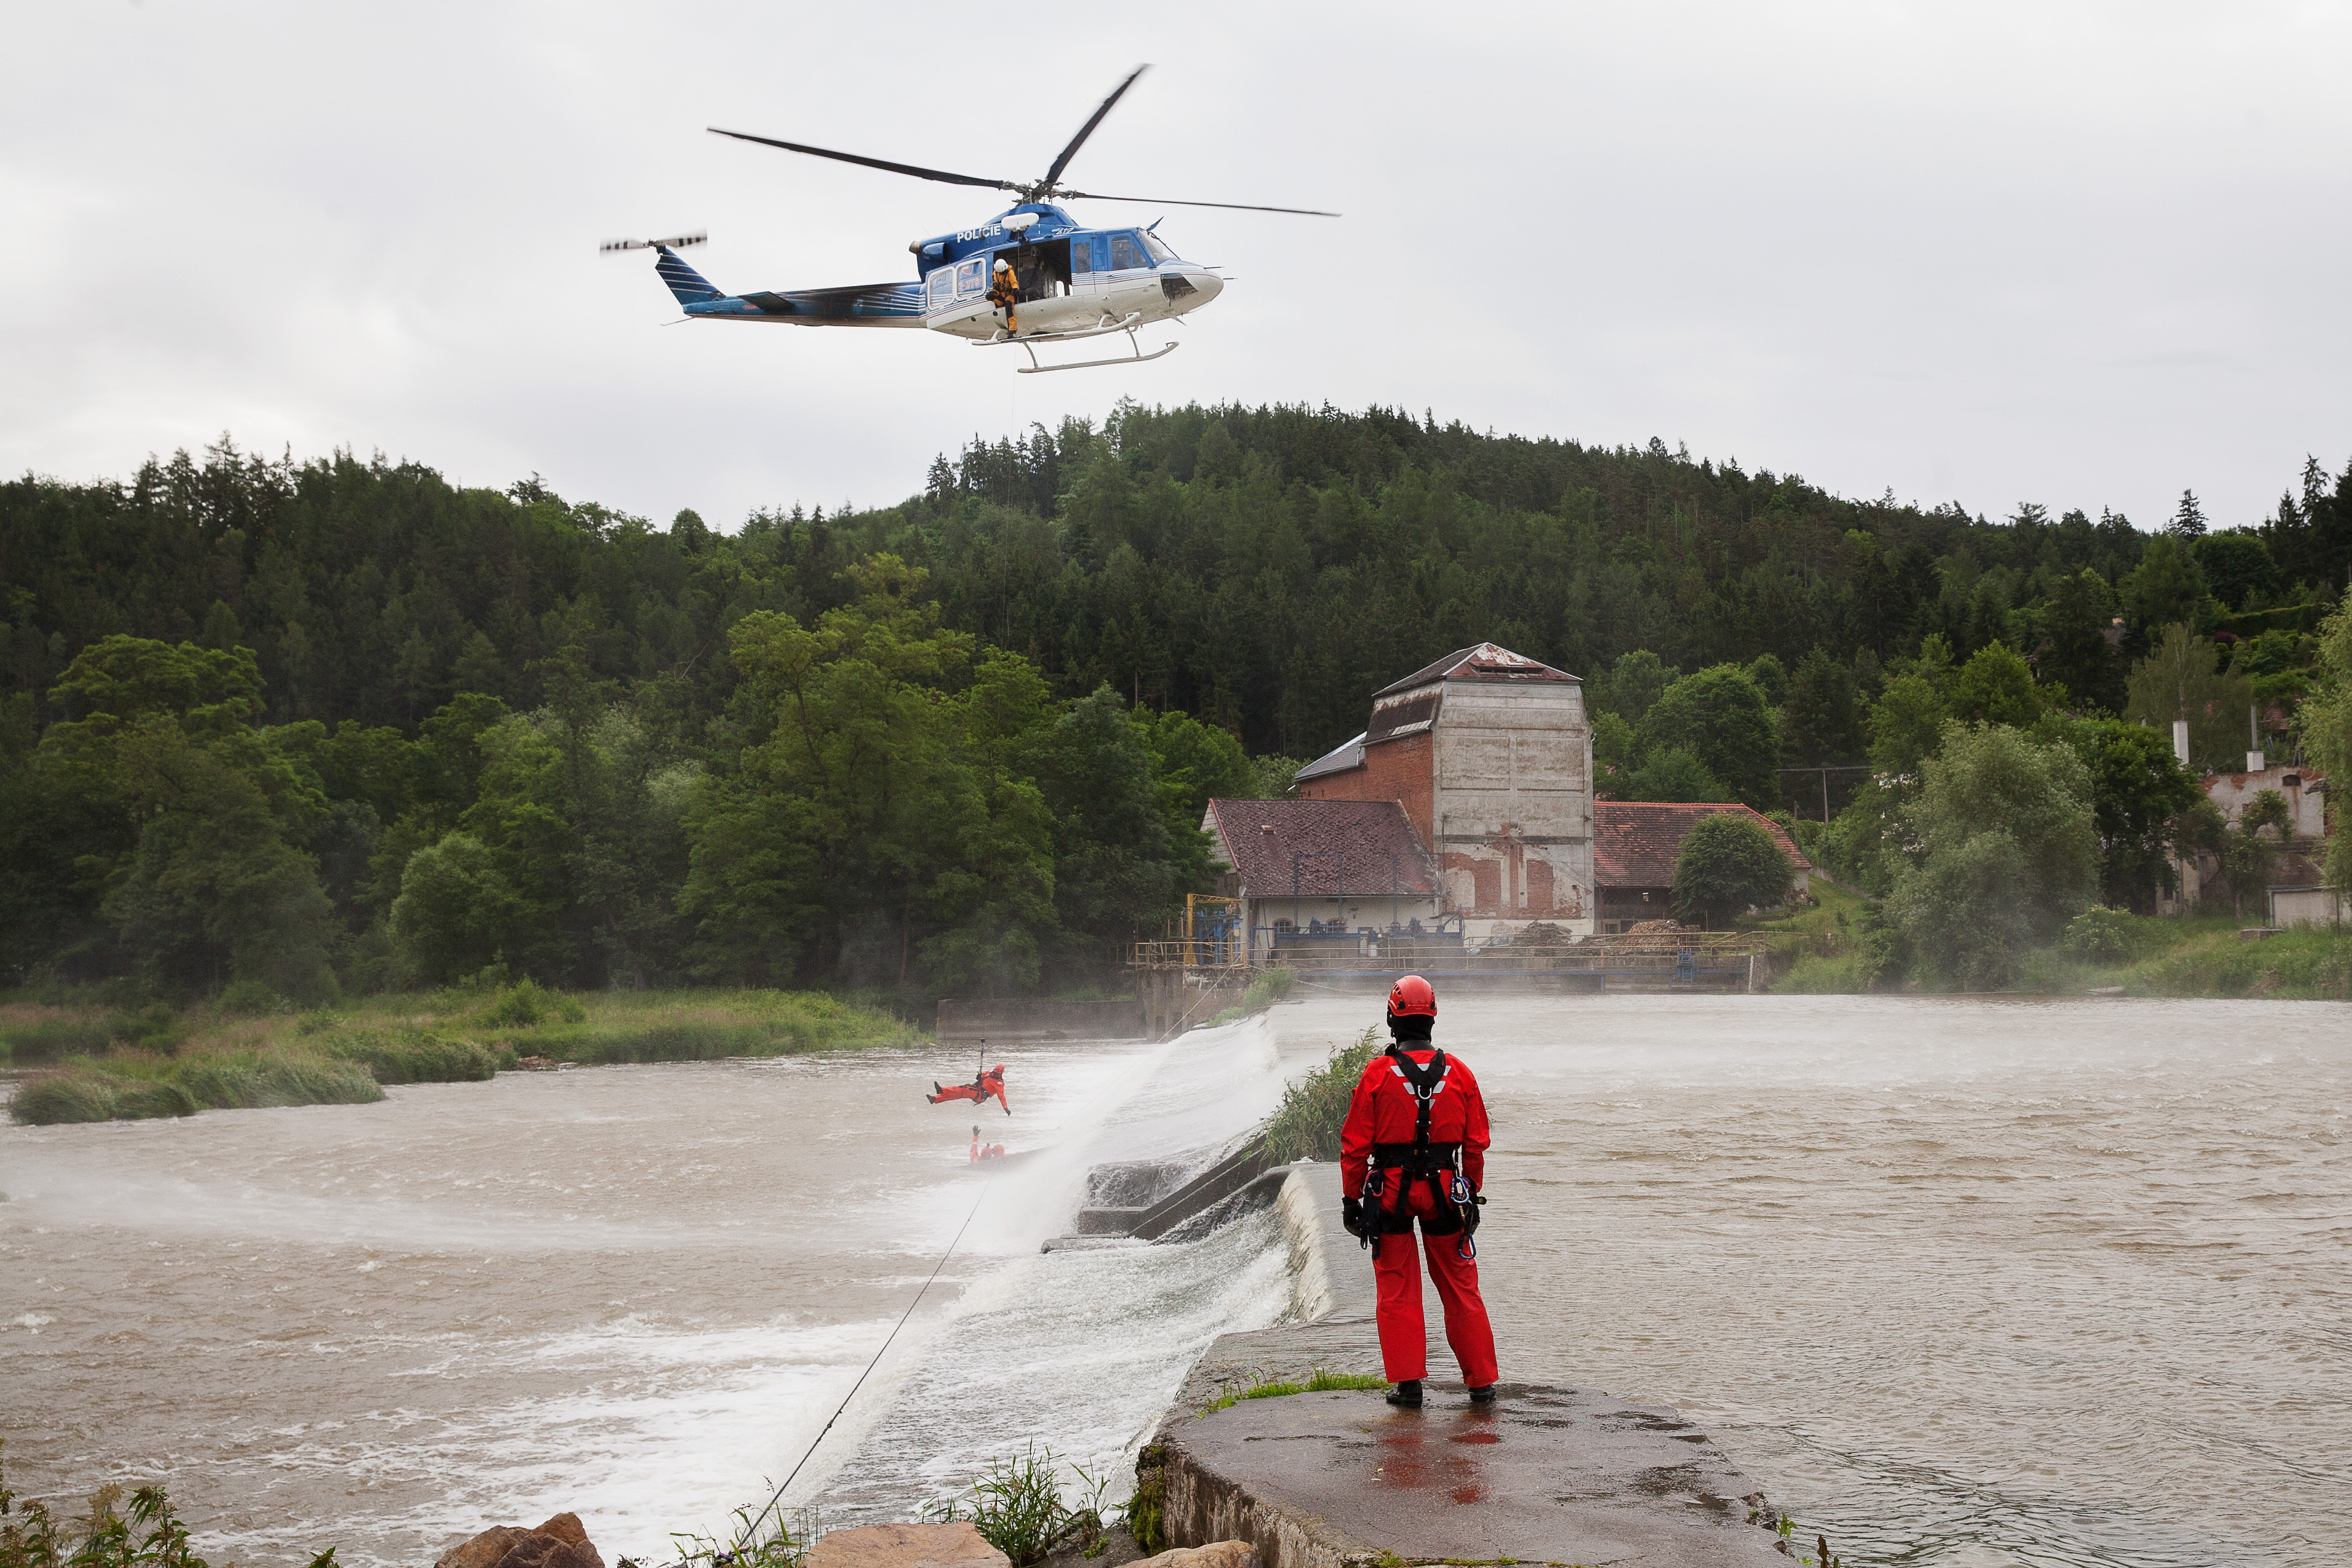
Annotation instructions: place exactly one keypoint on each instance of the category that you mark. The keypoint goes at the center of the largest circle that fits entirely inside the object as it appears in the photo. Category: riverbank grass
(1320, 1381)
(124, 1064)
(2139, 955)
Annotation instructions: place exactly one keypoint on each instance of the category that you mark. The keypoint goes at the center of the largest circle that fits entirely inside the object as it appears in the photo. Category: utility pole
(1825, 772)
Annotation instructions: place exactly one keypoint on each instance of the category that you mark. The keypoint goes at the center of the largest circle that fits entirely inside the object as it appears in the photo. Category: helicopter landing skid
(1137, 357)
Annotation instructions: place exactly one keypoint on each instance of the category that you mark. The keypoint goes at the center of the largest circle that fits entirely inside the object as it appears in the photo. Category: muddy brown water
(1961, 1283)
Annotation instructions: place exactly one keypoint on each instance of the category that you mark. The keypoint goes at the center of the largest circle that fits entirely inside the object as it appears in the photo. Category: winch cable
(779, 1497)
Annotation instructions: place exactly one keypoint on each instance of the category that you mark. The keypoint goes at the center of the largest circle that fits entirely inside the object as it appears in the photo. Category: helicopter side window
(971, 275)
(1082, 256)
(1151, 242)
(1125, 253)
(941, 284)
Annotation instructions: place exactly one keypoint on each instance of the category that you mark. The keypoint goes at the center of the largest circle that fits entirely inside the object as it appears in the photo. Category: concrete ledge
(1341, 1480)
(1545, 1475)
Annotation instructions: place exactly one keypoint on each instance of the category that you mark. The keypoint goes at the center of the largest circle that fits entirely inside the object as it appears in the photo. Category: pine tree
(2188, 522)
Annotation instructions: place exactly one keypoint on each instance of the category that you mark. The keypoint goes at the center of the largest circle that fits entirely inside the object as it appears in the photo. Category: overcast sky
(2085, 254)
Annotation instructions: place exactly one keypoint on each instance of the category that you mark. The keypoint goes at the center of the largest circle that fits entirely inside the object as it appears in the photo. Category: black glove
(1471, 1214)
(1351, 1216)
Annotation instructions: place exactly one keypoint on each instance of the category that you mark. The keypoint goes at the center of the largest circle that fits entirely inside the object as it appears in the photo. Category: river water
(1960, 1282)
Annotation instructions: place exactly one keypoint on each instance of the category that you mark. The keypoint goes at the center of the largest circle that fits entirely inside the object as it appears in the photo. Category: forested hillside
(339, 722)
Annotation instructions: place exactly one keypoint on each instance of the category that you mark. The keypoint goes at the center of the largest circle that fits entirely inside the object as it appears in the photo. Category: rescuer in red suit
(1414, 1149)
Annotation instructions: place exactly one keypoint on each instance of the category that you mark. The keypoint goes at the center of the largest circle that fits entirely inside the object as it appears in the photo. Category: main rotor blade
(1088, 130)
(1167, 201)
(920, 173)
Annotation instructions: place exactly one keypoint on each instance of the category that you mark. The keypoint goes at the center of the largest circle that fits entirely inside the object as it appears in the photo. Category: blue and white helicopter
(1070, 280)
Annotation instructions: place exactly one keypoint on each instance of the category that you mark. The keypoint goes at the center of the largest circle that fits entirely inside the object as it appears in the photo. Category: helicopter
(1069, 280)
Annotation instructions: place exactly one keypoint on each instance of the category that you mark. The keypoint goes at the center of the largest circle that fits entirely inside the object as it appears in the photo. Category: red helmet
(1413, 997)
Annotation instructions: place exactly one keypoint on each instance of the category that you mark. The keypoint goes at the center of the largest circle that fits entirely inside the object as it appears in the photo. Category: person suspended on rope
(988, 1085)
(1414, 1149)
(1004, 293)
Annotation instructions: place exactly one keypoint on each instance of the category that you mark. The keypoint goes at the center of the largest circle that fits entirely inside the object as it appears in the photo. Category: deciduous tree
(1728, 863)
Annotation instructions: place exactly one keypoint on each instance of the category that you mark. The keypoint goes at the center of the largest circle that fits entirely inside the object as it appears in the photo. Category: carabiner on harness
(1465, 1206)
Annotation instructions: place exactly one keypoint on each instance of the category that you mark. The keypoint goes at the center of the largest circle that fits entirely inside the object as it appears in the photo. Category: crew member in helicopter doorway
(1004, 293)
(1414, 1149)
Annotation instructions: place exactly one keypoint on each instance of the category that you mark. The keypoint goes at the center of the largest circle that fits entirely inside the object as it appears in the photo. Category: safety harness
(1420, 1160)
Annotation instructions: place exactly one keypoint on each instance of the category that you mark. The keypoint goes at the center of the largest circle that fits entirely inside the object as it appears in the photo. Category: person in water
(981, 1151)
(980, 1090)
(1414, 1149)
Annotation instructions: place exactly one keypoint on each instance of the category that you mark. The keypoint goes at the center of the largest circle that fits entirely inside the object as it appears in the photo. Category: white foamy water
(636, 1292)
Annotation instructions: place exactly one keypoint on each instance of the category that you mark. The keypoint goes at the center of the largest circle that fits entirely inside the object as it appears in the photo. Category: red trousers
(1404, 1338)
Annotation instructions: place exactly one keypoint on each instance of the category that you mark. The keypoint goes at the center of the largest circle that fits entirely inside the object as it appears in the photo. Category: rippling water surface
(1959, 1282)
(1964, 1282)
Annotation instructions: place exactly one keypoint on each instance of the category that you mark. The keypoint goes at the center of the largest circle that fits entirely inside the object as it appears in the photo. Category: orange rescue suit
(1005, 294)
(1381, 1130)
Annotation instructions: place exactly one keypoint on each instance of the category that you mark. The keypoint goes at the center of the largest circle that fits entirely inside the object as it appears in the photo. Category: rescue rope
(779, 1495)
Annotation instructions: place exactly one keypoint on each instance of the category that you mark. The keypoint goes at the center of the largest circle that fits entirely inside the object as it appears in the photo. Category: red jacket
(1383, 1112)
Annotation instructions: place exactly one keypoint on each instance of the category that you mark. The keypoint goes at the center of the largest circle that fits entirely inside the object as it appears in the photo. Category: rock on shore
(561, 1542)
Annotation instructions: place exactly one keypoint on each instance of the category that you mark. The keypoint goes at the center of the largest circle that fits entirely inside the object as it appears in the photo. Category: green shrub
(249, 998)
(142, 1101)
(63, 1097)
(1306, 1126)
(1268, 988)
(524, 1004)
(2099, 935)
(155, 1027)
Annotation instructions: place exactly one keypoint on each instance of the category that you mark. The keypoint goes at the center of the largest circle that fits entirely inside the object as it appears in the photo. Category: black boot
(1406, 1395)
(1483, 1395)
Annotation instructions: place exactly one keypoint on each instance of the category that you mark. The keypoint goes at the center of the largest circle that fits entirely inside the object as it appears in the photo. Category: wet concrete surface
(1545, 1475)
(1340, 1478)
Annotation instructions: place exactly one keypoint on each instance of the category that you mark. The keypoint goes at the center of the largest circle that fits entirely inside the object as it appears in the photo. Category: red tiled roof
(1366, 833)
(1634, 842)
(1487, 661)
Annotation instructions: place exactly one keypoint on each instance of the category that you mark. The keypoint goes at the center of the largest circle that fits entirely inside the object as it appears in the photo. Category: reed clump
(1306, 1125)
(1019, 1506)
(130, 1085)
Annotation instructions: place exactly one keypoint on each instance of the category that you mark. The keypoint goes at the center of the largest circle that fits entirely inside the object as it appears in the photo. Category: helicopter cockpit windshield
(1151, 242)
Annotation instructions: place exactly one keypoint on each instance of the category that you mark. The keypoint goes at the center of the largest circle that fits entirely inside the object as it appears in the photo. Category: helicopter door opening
(1043, 269)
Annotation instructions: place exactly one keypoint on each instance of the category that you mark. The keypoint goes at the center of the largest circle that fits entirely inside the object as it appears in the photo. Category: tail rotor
(677, 242)
(689, 287)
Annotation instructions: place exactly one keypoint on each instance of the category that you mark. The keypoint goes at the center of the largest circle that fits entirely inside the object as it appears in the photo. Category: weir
(1341, 1480)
